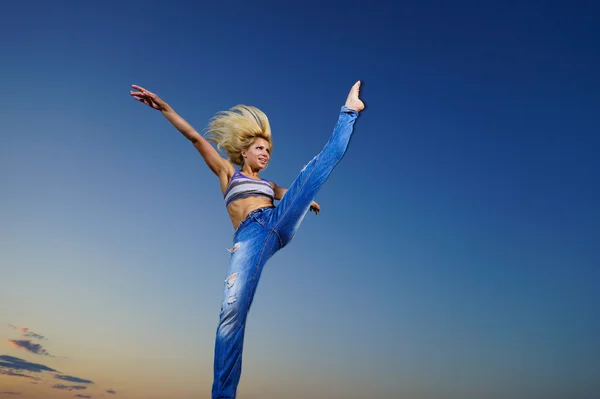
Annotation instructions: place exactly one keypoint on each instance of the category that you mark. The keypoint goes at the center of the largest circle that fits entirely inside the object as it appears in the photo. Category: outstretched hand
(316, 208)
(148, 98)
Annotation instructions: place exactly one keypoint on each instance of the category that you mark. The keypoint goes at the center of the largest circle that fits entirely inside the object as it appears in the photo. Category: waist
(251, 215)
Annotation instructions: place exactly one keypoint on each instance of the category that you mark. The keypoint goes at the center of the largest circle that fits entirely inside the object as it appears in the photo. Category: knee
(231, 317)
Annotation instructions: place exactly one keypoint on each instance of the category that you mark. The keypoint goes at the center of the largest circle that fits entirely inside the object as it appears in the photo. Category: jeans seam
(278, 237)
(301, 187)
(272, 229)
(296, 196)
(253, 286)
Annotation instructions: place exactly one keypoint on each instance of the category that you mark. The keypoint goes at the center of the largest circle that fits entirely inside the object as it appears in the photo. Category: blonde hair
(235, 130)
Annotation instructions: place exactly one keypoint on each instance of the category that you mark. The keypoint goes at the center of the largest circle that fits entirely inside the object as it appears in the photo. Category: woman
(261, 229)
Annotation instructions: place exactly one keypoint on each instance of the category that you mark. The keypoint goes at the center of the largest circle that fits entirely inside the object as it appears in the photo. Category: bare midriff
(239, 210)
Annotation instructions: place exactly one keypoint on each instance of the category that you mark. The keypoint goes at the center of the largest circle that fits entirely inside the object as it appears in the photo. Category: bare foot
(353, 101)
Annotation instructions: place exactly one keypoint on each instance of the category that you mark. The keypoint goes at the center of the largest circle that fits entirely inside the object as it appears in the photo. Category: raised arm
(219, 165)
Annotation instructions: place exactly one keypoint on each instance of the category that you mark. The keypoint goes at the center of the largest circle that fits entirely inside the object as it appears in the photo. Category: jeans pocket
(263, 216)
(259, 219)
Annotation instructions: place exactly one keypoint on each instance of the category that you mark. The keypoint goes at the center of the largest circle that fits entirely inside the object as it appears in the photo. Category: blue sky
(456, 253)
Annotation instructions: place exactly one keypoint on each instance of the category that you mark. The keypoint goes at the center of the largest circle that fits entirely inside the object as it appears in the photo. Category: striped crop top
(241, 187)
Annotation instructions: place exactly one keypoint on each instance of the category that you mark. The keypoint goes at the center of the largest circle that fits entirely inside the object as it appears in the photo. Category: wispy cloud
(69, 387)
(26, 332)
(22, 329)
(11, 362)
(34, 335)
(13, 374)
(73, 379)
(14, 366)
(29, 346)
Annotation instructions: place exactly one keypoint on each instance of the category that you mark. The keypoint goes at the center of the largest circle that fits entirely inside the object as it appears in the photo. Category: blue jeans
(257, 238)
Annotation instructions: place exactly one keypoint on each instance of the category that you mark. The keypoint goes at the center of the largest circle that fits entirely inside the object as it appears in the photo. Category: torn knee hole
(231, 279)
(231, 299)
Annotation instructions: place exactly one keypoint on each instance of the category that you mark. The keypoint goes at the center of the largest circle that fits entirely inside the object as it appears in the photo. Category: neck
(248, 171)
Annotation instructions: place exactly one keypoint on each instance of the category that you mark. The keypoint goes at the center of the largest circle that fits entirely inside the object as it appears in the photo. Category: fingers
(143, 100)
(140, 97)
(142, 91)
(144, 97)
(140, 88)
(146, 101)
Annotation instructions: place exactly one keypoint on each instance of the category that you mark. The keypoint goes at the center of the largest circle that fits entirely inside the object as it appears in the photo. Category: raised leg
(296, 202)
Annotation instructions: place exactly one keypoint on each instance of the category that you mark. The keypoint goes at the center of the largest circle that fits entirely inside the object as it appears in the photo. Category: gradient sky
(456, 253)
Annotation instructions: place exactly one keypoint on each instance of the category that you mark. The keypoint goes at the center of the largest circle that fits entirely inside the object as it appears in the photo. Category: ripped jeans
(257, 238)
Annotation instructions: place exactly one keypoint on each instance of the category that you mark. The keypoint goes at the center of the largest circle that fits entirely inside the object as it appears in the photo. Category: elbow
(193, 136)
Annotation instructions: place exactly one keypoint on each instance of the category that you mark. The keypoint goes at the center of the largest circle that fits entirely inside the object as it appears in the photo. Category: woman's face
(258, 155)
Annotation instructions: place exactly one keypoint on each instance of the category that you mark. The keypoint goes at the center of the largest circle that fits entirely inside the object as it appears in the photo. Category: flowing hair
(235, 130)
